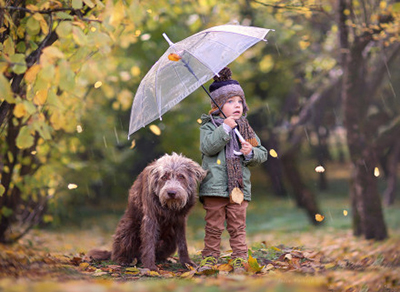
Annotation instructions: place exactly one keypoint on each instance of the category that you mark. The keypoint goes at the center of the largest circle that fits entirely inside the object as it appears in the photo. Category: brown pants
(219, 210)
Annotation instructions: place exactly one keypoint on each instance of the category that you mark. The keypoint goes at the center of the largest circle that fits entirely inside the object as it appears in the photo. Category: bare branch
(76, 12)
(312, 8)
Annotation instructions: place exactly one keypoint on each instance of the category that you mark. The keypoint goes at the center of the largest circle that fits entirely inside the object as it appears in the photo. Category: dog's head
(174, 179)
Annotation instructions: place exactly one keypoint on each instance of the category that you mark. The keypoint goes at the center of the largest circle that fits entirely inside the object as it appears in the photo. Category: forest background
(322, 97)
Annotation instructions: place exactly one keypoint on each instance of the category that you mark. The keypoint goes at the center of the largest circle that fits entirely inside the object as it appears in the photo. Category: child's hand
(230, 121)
(246, 148)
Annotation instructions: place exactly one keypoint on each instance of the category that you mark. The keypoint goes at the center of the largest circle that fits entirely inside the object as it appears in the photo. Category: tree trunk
(390, 192)
(367, 208)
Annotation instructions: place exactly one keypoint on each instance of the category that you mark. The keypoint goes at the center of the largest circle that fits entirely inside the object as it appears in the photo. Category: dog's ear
(198, 171)
(151, 175)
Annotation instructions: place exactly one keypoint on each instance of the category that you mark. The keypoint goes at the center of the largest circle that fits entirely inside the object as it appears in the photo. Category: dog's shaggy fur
(154, 223)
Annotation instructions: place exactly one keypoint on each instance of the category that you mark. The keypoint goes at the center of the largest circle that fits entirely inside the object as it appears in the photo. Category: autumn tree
(52, 64)
(369, 34)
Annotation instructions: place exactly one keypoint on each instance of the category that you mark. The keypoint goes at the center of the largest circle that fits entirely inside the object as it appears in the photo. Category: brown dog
(154, 223)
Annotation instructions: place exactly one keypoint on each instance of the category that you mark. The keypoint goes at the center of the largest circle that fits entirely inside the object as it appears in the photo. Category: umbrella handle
(239, 135)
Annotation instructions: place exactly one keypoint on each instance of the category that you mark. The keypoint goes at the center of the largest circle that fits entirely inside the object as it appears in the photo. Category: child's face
(233, 107)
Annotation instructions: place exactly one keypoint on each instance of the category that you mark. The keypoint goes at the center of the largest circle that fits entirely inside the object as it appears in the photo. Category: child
(226, 190)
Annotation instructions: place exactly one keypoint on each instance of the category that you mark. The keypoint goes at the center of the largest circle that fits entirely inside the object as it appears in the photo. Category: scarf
(233, 163)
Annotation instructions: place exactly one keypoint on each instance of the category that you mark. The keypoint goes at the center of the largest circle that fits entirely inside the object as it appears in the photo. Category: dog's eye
(165, 177)
(181, 176)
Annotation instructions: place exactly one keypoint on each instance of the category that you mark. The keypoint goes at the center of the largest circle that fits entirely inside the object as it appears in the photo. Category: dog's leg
(149, 235)
(183, 253)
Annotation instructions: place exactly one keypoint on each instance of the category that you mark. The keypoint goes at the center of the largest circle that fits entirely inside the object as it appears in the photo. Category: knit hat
(223, 88)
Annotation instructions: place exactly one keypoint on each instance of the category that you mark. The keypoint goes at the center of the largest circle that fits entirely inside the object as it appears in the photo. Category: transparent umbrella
(186, 66)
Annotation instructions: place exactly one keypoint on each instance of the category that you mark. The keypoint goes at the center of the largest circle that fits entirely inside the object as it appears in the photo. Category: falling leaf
(199, 121)
(133, 144)
(79, 129)
(72, 186)
(319, 217)
(345, 213)
(273, 153)
(218, 161)
(155, 129)
(320, 169)
(98, 84)
(376, 172)
(174, 57)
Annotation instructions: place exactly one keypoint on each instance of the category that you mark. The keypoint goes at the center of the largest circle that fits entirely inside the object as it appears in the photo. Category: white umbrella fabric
(187, 65)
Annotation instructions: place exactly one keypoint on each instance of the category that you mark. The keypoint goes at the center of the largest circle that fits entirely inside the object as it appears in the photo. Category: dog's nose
(171, 194)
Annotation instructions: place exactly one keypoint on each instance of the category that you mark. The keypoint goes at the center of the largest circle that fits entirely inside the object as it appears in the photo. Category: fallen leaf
(254, 265)
(225, 267)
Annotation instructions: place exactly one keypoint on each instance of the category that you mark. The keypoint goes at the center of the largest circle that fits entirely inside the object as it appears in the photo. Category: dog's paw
(153, 268)
(189, 264)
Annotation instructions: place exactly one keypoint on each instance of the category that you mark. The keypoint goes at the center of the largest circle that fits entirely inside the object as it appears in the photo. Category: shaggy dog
(154, 223)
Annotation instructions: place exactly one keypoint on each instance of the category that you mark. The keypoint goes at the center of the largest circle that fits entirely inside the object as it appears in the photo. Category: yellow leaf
(57, 120)
(83, 266)
(153, 274)
(32, 7)
(19, 110)
(273, 153)
(40, 97)
(30, 74)
(188, 275)
(155, 129)
(89, 3)
(304, 44)
(225, 267)
(276, 248)
(133, 270)
(253, 265)
(319, 217)
(5, 89)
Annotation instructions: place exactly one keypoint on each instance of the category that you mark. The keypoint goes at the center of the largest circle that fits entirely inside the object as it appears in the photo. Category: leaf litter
(337, 263)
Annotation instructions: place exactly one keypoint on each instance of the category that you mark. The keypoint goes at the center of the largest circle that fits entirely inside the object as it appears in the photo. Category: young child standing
(226, 190)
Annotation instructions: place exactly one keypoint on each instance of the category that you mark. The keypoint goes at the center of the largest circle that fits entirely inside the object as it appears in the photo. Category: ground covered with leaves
(321, 260)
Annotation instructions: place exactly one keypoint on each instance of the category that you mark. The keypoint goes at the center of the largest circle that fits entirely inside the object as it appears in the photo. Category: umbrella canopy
(198, 58)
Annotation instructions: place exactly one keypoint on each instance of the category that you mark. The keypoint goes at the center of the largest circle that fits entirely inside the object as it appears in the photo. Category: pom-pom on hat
(223, 88)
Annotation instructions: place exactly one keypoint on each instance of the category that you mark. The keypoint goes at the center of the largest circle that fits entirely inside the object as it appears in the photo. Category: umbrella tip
(167, 39)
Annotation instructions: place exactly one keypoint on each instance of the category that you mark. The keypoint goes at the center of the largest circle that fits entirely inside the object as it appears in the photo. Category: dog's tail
(99, 255)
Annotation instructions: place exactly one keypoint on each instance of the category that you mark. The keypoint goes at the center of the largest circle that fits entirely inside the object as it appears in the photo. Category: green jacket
(212, 146)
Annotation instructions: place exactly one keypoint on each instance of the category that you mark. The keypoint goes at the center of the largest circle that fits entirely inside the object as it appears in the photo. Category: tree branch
(313, 8)
(76, 12)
